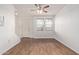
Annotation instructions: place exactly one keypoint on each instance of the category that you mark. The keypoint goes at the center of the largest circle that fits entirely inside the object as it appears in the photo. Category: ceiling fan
(42, 8)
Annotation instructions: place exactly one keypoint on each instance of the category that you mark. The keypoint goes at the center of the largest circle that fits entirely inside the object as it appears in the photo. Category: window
(39, 23)
(48, 23)
(44, 24)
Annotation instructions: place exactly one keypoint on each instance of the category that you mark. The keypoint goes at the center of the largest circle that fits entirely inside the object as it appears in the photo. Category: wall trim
(11, 46)
(67, 45)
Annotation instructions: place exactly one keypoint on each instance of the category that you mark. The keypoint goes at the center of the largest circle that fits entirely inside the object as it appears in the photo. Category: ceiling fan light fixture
(41, 8)
(39, 11)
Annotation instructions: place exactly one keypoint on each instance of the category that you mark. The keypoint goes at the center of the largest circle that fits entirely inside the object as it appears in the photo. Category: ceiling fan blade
(45, 10)
(36, 5)
(46, 6)
(41, 7)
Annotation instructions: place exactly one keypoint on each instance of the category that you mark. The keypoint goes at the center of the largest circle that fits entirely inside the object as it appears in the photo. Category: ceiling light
(39, 11)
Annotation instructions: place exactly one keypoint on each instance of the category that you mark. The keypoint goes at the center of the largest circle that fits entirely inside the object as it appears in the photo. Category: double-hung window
(44, 24)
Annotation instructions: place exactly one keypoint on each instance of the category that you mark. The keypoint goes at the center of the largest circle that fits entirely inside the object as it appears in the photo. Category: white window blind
(39, 23)
(48, 23)
(44, 24)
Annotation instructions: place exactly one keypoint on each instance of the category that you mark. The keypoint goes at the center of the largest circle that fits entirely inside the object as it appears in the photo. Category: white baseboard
(17, 40)
(67, 45)
(42, 37)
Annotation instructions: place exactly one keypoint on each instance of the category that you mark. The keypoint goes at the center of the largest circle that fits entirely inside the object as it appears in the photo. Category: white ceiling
(23, 9)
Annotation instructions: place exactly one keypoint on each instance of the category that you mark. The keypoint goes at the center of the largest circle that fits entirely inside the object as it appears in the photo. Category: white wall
(8, 38)
(23, 25)
(25, 17)
(67, 26)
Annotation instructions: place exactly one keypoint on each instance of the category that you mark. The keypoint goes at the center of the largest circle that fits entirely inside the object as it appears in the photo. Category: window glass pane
(48, 23)
(39, 23)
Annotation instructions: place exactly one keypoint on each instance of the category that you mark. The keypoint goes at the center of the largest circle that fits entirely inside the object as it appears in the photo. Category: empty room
(39, 29)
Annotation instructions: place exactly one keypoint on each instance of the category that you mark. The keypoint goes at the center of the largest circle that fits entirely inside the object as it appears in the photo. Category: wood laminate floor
(29, 46)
